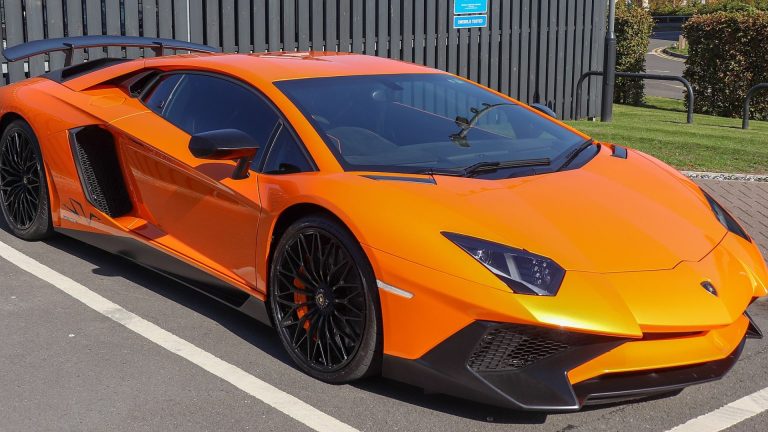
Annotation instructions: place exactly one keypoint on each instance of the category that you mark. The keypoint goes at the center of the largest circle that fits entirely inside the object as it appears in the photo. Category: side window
(158, 96)
(201, 103)
(286, 155)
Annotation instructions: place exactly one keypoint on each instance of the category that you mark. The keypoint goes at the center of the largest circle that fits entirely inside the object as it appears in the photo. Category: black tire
(24, 198)
(324, 301)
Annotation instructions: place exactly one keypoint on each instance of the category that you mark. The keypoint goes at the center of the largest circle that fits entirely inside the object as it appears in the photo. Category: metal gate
(533, 50)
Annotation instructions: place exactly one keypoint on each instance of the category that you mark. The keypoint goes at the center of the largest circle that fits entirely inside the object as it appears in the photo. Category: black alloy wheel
(23, 190)
(324, 302)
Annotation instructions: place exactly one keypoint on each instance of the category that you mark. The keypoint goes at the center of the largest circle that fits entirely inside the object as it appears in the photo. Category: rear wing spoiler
(70, 44)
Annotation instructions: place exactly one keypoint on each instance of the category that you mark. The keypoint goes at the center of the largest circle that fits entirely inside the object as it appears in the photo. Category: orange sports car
(386, 218)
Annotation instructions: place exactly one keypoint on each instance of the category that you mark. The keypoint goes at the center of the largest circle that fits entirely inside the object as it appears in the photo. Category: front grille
(514, 347)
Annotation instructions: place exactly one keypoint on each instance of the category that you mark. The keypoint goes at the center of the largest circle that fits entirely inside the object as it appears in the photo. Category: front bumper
(534, 368)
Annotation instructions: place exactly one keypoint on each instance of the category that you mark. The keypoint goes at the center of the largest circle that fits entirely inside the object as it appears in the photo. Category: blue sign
(470, 7)
(470, 21)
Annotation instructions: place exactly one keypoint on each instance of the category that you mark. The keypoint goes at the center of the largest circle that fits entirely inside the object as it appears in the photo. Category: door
(191, 205)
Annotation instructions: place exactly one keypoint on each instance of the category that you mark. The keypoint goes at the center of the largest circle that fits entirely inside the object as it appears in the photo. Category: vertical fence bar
(551, 97)
(302, 24)
(408, 42)
(579, 43)
(395, 31)
(164, 19)
(515, 70)
(369, 26)
(149, 21)
(227, 25)
(332, 18)
(243, 41)
(34, 20)
(565, 56)
(418, 31)
(525, 44)
(453, 42)
(541, 77)
(442, 34)
(74, 26)
(54, 22)
(132, 25)
(317, 26)
(382, 28)
(506, 11)
(430, 43)
(14, 30)
(273, 18)
(196, 21)
(259, 23)
(94, 26)
(357, 26)
(212, 26)
(494, 33)
(112, 18)
(345, 26)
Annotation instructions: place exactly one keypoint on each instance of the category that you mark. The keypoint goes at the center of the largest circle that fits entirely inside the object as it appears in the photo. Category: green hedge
(693, 7)
(726, 56)
(633, 32)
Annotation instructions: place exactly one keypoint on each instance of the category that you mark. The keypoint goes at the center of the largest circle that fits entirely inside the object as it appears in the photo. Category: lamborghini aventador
(386, 218)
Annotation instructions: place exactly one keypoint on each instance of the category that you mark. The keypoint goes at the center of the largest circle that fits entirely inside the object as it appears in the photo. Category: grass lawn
(675, 49)
(715, 144)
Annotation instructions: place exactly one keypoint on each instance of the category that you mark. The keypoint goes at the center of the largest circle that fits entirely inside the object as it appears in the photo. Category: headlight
(522, 271)
(725, 218)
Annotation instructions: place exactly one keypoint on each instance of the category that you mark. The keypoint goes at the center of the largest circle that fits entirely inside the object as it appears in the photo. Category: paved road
(65, 367)
(657, 63)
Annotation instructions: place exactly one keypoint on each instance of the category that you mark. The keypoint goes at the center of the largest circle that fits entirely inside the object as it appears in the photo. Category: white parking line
(257, 388)
(729, 415)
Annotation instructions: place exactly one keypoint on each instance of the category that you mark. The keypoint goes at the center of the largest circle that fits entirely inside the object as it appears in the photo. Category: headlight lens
(725, 218)
(522, 271)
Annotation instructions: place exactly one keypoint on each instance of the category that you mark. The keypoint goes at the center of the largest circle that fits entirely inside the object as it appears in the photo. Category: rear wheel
(324, 301)
(23, 189)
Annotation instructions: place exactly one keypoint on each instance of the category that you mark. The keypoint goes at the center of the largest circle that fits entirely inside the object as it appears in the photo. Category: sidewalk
(748, 202)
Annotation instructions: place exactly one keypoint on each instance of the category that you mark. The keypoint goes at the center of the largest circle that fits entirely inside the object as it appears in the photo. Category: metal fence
(533, 50)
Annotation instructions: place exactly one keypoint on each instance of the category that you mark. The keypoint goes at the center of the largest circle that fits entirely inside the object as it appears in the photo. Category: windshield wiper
(571, 156)
(485, 166)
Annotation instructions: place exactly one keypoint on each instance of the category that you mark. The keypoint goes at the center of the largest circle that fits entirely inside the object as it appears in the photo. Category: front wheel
(324, 301)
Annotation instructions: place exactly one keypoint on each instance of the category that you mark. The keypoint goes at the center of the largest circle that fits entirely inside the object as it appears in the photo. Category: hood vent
(427, 180)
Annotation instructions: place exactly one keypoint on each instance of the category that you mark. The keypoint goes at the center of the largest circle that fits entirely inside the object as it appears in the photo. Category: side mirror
(226, 144)
(545, 109)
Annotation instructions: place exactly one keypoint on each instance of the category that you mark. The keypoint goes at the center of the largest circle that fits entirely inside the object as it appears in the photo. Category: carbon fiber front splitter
(526, 380)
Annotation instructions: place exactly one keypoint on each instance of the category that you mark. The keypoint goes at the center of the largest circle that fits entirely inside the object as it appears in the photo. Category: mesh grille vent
(100, 172)
(514, 347)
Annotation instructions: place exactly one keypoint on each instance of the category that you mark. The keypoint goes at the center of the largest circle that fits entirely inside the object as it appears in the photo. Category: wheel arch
(290, 215)
(7, 118)
(296, 211)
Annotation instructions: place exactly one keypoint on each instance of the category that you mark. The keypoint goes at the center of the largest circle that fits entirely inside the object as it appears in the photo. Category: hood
(611, 215)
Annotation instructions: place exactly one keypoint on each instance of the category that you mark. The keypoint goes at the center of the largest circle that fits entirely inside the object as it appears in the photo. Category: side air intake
(93, 149)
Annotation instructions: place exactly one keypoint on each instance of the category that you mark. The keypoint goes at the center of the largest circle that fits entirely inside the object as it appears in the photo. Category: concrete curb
(674, 54)
(697, 175)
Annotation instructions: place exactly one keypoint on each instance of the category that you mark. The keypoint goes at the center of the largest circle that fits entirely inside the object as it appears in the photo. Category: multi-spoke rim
(319, 300)
(19, 179)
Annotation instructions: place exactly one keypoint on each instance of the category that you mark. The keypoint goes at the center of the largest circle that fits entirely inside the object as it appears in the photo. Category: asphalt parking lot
(66, 367)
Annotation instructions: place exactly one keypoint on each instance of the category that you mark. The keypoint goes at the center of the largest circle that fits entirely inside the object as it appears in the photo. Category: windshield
(423, 122)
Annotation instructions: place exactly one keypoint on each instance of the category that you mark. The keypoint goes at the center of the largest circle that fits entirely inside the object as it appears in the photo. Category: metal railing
(644, 76)
(747, 99)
